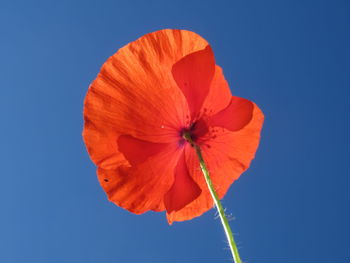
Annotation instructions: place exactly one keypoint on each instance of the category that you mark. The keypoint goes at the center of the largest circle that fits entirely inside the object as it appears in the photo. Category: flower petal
(219, 95)
(142, 187)
(135, 94)
(227, 156)
(235, 116)
(137, 151)
(102, 146)
(193, 74)
(183, 191)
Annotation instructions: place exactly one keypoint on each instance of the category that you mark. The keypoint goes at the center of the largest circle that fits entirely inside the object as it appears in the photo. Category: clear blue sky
(290, 57)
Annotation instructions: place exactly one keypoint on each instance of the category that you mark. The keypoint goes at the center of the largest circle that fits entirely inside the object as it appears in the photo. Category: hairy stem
(219, 207)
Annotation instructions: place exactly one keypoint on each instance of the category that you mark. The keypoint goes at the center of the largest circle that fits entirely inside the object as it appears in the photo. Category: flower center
(195, 133)
(190, 134)
(186, 134)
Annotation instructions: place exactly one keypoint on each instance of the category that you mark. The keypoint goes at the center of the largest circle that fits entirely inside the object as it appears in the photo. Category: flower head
(153, 100)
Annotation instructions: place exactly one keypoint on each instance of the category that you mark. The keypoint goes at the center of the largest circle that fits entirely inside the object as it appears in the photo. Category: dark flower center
(194, 132)
(186, 134)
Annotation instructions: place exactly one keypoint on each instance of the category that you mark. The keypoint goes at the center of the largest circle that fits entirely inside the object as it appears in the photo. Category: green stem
(219, 207)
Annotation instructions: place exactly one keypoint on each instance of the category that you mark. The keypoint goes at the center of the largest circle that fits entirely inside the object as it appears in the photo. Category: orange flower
(146, 98)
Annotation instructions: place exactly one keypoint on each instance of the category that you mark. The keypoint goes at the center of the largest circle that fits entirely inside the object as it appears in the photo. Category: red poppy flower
(146, 97)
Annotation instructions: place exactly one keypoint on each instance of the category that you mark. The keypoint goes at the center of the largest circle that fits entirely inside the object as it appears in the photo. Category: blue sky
(290, 57)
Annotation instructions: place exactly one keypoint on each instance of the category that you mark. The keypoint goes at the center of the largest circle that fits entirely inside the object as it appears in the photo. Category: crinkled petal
(142, 186)
(227, 156)
(135, 94)
(102, 145)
